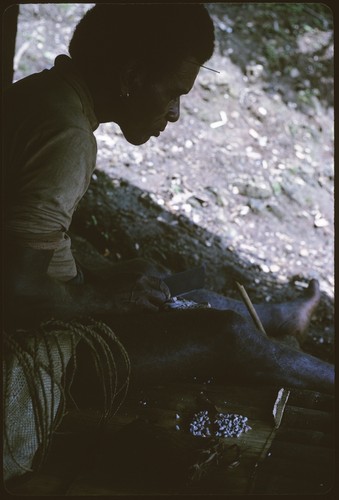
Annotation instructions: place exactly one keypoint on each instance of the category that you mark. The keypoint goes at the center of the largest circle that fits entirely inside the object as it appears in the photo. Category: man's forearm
(37, 299)
(46, 298)
(83, 300)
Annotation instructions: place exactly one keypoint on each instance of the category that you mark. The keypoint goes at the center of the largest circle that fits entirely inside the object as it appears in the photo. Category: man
(56, 113)
(129, 64)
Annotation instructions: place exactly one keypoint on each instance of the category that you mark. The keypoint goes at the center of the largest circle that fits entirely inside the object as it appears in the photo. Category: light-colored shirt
(50, 155)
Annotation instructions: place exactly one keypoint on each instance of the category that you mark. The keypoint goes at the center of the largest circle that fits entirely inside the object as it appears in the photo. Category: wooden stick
(250, 308)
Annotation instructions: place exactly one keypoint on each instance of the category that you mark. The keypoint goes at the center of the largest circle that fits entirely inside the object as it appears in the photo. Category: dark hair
(158, 34)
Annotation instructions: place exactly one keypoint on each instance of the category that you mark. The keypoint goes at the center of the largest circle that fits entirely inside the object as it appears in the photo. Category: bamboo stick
(250, 308)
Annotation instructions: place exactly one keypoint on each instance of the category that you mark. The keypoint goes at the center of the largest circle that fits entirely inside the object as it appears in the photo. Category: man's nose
(173, 113)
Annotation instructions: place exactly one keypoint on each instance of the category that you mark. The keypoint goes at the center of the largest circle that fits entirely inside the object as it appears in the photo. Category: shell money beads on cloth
(224, 425)
(180, 303)
(230, 425)
(200, 425)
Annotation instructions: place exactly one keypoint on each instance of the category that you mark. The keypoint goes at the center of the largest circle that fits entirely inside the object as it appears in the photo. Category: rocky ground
(244, 181)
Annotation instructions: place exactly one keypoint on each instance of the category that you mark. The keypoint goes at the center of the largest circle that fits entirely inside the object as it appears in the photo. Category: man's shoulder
(46, 96)
(40, 89)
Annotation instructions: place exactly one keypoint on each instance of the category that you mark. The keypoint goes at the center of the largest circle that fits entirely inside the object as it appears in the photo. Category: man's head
(139, 58)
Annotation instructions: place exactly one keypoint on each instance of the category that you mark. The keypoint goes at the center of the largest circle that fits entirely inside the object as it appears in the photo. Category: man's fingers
(158, 298)
(164, 288)
(155, 288)
(143, 304)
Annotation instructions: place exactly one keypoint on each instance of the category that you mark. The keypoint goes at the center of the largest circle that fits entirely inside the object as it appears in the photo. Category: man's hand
(32, 296)
(133, 292)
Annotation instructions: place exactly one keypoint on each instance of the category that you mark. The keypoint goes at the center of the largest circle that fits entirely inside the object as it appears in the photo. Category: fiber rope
(40, 356)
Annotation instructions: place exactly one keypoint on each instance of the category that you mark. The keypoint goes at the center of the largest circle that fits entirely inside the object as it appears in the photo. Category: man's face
(149, 109)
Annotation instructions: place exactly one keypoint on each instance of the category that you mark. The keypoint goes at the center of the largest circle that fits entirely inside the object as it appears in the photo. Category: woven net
(36, 388)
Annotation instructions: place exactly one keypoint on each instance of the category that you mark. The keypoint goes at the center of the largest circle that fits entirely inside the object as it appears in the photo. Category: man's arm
(31, 295)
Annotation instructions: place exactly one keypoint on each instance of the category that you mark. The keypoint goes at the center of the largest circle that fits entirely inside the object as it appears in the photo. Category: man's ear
(132, 77)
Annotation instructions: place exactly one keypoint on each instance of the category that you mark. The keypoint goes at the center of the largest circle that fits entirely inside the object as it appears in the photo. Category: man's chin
(136, 140)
